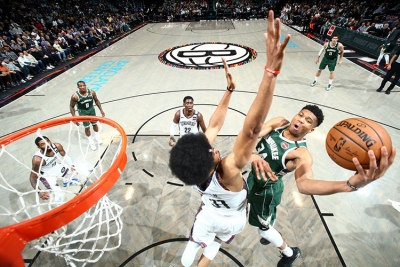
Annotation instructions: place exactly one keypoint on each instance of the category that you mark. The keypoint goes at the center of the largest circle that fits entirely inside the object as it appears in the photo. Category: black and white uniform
(188, 125)
(222, 213)
(50, 169)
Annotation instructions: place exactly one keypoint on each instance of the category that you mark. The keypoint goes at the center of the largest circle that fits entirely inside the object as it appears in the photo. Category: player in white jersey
(222, 213)
(187, 119)
(47, 167)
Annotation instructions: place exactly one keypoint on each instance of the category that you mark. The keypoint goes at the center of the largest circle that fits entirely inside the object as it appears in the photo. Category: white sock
(288, 251)
(379, 58)
(90, 139)
(386, 58)
(272, 235)
(97, 135)
(330, 81)
(316, 79)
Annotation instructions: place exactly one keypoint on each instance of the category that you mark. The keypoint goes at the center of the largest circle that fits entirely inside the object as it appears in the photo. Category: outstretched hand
(364, 177)
(231, 84)
(262, 167)
(275, 49)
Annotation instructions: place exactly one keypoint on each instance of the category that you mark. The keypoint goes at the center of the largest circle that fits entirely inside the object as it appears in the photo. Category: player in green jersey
(283, 149)
(83, 99)
(332, 49)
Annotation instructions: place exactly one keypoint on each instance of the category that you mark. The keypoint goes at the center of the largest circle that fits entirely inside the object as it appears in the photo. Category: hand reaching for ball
(376, 170)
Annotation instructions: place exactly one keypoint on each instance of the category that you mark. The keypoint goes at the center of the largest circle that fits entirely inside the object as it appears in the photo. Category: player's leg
(382, 52)
(86, 124)
(331, 67)
(189, 253)
(96, 133)
(322, 66)
(209, 254)
(394, 81)
(387, 77)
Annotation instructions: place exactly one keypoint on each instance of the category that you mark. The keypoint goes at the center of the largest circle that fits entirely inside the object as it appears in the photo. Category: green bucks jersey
(274, 148)
(331, 52)
(85, 102)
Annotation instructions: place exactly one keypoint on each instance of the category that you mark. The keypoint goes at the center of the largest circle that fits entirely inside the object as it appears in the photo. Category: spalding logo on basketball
(353, 138)
(207, 56)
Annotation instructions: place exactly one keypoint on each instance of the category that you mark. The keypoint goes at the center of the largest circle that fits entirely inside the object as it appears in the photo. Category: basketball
(353, 138)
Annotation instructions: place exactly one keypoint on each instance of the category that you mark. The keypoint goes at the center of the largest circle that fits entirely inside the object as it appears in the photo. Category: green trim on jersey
(264, 197)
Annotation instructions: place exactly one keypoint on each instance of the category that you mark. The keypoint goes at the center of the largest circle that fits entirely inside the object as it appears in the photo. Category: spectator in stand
(60, 51)
(74, 45)
(4, 81)
(14, 69)
(64, 45)
(33, 60)
(39, 56)
(51, 53)
(11, 75)
(31, 67)
(384, 32)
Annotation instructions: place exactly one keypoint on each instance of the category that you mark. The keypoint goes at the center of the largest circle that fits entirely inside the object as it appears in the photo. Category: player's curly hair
(317, 112)
(38, 139)
(190, 159)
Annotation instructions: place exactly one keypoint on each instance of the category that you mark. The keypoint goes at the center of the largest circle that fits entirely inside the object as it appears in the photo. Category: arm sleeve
(320, 51)
(172, 129)
(67, 160)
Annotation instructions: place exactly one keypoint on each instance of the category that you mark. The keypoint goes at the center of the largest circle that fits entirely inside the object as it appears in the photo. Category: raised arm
(218, 117)
(258, 111)
(96, 100)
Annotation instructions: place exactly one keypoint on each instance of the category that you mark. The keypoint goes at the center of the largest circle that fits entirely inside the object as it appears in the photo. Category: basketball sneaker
(386, 65)
(92, 146)
(375, 65)
(98, 140)
(286, 261)
(314, 83)
(329, 87)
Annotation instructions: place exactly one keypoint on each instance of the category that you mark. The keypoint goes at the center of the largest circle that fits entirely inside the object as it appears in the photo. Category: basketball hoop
(14, 238)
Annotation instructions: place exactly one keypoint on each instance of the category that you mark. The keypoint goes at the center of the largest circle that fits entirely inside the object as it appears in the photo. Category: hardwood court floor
(142, 94)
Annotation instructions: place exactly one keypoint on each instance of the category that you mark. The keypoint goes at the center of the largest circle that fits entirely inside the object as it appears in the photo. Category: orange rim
(13, 238)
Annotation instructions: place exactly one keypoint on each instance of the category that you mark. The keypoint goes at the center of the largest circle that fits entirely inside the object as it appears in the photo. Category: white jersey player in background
(47, 166)
(187, 119)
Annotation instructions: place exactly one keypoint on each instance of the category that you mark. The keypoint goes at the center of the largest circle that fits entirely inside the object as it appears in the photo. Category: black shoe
(288, 261)
(264, 241)
(379, 90)
(387, 92)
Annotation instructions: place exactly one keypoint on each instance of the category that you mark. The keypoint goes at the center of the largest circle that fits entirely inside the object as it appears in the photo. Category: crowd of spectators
(369, 17)
(38, 35)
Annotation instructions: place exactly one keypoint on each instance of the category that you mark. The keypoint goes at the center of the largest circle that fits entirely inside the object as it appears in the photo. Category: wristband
(229, 89)
(355, 188)
(276, 72)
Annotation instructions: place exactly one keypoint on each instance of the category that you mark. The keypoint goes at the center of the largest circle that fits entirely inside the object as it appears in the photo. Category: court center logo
(207, 56)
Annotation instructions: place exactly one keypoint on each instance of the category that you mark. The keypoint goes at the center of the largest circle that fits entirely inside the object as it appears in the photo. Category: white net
(85, 239)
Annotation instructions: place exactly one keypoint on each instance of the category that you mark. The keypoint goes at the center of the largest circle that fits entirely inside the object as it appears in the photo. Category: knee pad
(189, 253)
(272, 235)
(211, 250)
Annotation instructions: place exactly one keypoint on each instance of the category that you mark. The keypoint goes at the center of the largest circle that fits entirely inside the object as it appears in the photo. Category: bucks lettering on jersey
(274, 148)
(188, 125)
(331, 52)
(85, 102)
